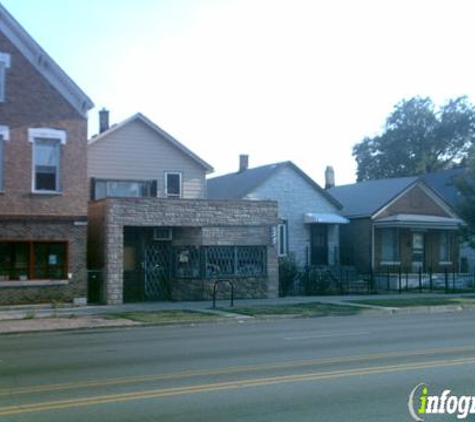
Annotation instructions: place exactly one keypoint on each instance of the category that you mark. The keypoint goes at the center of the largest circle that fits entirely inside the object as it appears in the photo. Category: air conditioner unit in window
(162, 233)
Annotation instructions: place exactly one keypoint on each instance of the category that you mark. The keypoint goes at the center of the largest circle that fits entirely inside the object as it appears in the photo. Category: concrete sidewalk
(28, 318)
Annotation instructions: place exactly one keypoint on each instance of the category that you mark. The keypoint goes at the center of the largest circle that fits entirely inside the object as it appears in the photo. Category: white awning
(324, 218)
(419, 221)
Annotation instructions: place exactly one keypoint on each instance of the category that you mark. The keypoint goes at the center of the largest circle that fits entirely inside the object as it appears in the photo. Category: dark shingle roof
(365, 198)
(238, 185)
(443, 183)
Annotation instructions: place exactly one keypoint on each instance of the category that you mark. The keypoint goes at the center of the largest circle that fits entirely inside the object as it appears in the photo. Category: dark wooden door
(319, 244)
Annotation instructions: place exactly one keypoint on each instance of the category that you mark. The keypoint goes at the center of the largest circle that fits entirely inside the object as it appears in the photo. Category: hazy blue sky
(279, 80)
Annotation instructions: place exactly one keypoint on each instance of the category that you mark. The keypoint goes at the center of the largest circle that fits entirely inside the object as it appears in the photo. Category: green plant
(30, 315)
(289, 272)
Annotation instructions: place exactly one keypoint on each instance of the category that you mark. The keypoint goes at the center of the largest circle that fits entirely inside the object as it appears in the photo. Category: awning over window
(324, 218)
(419, 221)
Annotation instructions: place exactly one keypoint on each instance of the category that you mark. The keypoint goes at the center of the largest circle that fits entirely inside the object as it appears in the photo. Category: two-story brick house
(153, 231)
(43, 183)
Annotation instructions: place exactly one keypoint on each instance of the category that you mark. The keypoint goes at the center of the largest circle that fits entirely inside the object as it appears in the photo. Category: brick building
(154, 234)
(43, 183)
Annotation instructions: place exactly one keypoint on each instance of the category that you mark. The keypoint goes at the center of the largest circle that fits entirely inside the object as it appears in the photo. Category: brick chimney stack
(243, 162)
(103, 120)
(329, 177)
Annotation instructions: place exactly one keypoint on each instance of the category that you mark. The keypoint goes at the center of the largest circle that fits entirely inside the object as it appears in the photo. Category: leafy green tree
(418, 138)
(466, 209)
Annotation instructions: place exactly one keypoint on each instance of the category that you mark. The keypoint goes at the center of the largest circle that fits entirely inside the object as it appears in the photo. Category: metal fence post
(399, 281)
(446, 276)
(430, 279)
(420, 279)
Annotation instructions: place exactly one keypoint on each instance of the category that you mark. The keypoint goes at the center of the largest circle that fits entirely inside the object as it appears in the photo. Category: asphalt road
(359, 368)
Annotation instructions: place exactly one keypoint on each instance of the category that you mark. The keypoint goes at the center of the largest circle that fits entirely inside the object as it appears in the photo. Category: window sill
(46, 192)
(33, 283)
(390, 263)
(445, 262)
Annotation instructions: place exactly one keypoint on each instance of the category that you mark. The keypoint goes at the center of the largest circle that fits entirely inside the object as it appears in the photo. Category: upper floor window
(123, 188)
(4, 136)
(173, 185)
(4, 64)
(46, 172)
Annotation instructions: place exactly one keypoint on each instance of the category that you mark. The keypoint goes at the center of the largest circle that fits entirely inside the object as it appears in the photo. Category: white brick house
(310, 216)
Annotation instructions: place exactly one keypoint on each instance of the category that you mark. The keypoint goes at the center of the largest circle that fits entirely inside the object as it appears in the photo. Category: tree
(418, 138)
(466, 209)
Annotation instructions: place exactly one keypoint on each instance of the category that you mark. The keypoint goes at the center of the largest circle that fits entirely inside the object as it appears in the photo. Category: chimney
(103, 120)
(243, 162)
(329, 177)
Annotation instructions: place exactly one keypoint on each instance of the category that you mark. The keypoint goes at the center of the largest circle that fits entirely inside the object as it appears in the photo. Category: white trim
(5, 58)
(45, 65)
(390, 263)
(48, 133)
(5, 132)
(167, 195)
(282, 240)
(427, 190)
(58, 190)
(164, 135)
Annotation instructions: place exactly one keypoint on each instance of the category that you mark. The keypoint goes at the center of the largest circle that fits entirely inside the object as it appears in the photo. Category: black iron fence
(337, 280)
(442, 282)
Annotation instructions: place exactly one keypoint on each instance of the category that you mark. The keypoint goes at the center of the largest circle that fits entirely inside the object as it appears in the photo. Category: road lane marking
(223, 386)
(227, 370)
(329, 335)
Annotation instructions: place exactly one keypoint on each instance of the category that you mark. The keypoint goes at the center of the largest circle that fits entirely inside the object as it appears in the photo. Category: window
(444, 247)
(46, 159)
(4, 136)
(173, 185)
(4, 64)
(389, 245)
(282, 239)
(46, 163)
(235, 261)
(123, 188)
(33, 261)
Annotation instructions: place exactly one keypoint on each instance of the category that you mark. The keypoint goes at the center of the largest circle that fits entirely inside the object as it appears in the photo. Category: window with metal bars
(235, 261)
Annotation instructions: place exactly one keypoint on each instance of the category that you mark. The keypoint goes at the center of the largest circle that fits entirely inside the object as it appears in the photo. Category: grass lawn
(163, 317)
(428, 301)
(308, 310)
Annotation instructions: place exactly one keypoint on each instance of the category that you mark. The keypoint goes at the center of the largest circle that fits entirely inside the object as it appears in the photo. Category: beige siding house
(138, 150)
(153, 233)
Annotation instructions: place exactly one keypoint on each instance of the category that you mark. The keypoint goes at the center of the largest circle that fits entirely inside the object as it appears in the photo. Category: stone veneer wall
(42, 291)
(222, 222)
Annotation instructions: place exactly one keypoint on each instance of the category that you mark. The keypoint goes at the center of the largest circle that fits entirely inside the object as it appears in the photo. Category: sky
(299, 80)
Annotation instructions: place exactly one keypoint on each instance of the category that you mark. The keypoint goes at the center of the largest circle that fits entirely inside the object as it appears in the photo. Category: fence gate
(157, 271)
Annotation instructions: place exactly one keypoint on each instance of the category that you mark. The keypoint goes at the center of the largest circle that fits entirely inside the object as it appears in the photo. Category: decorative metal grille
(237, 261)
(157, 271)
(220, 261)
(251, 261)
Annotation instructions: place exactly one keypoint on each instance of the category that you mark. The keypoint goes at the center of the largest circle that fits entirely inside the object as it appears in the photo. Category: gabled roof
(365, 198)
(443, 183)
(238, 185)
(162, 134)
(44, 63)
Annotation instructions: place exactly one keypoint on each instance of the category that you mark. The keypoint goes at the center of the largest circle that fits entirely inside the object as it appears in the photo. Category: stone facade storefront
(73, 286)
(199, 223)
